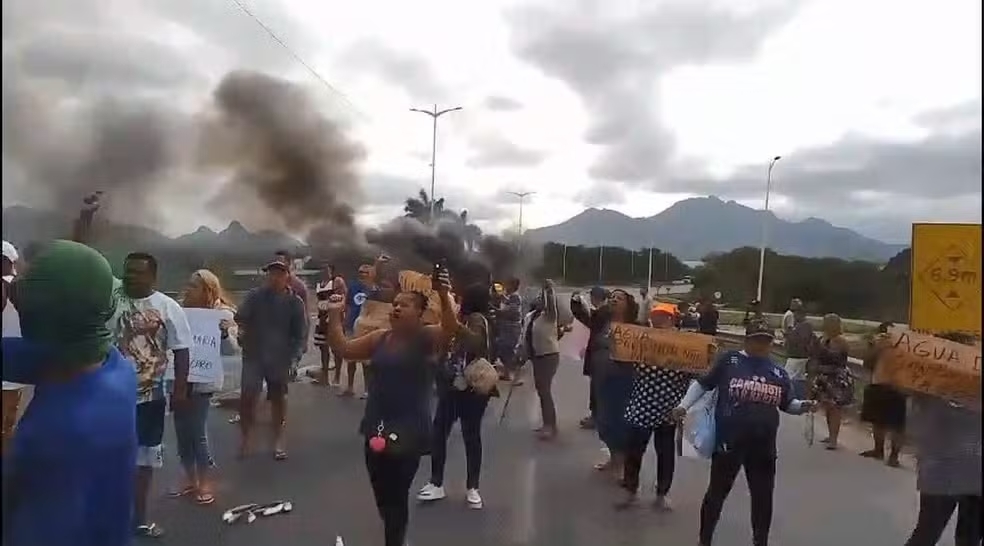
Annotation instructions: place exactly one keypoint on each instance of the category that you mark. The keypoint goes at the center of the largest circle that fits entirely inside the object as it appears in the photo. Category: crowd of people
(107, 366)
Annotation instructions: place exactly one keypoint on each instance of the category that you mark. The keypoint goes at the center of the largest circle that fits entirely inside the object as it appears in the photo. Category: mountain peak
(235, 228)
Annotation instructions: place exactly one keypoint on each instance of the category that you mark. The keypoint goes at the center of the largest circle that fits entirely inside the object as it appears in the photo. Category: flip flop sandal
(150, 530)
(280, 455)
(204, 498)
(178, 493)
(273, 508)
(234, 419)
(234, 515)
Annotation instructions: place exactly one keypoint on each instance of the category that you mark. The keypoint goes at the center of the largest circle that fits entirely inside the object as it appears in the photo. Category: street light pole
(434, 114)
(601, 257)
(765, 227)
(522, 195)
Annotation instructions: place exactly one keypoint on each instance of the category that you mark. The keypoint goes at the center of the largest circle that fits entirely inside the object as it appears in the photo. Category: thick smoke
(281, 150)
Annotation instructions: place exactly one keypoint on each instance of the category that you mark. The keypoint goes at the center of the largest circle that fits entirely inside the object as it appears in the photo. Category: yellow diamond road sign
(946, 277)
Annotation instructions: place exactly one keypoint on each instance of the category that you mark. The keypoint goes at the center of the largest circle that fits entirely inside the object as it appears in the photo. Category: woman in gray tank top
(396, 424)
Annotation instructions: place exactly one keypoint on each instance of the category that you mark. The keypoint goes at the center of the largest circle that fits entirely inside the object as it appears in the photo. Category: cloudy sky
(874, 105)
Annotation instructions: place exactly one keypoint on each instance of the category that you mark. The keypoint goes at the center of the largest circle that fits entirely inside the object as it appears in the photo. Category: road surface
(535, 494)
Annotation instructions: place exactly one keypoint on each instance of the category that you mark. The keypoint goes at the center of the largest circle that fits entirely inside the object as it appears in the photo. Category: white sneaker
(474, 499)
(431, 492)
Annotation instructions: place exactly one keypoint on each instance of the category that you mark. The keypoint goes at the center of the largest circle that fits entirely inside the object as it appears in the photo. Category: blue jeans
(612, 391)
(190, 432)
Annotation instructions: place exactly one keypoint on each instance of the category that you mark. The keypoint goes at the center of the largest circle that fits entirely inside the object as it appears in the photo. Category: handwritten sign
(375, 315)
(916, 362)
(682, 351)
(412, 281)
(205, 351)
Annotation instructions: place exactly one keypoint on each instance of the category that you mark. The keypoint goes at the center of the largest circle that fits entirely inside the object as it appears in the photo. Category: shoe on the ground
(431, 492)
(474, 499)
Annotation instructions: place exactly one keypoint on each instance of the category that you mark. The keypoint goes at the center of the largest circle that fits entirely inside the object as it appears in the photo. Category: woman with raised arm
(396, 423)
(459, 400)
(611, 380)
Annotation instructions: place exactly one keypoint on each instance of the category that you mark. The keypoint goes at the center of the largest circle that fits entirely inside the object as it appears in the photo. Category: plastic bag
(700, 427)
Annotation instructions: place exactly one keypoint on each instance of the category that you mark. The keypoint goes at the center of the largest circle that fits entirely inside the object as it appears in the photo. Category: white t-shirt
(11, 321)
(788, 321)
(146, 330)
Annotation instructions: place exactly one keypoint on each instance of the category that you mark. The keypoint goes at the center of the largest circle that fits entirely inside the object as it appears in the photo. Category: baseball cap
(10, 252)
(276, 264)
(758, 328)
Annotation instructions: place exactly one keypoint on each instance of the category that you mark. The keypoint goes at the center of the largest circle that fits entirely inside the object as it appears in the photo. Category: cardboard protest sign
(375, 315)
(917, 362)
(412, 281)
(205, 351)
(682, 351)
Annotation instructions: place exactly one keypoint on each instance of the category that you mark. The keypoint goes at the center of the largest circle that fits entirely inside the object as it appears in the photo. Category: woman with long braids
(612, 380)
(396, 422)
(750, 390)
(458, 401)
(204, 291)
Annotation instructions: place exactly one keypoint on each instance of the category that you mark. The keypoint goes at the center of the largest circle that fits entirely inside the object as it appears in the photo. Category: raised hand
(334, 306)
(441, 280)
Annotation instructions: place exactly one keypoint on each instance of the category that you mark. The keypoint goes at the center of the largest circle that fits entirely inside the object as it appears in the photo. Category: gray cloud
(496, 151)
(400, 68)
(498, 103)
(614, 62)
(602, 194)
(877, 187)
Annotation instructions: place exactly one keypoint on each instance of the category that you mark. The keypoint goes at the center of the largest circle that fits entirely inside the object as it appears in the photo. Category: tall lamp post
(522, 195)
(434, 114)
(765, 227)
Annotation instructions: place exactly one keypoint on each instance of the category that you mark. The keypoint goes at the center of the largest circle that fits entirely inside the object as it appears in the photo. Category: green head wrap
(64, 301)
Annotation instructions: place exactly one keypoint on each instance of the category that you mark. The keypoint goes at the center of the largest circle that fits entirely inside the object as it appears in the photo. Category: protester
(884, 407)
(612, 379)
(707, 319)
(148, 325)
(68, 479)
(332, 283)
(750, 389)
(832, 384)
(646, 303)
(396, 423)
(204, 291)
(299, 288)
(272, 330)
(789, 317)
(542, 339)
(648, 414)
(355, 296)
(597, 324)
(457, 401)
(800, 343)
(753, 313)
(947, 441)
(508, 329)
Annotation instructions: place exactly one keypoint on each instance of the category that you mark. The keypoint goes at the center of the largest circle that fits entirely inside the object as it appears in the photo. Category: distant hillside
(694, 228)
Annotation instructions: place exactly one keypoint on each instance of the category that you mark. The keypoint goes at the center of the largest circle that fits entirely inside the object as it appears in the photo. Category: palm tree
(420, 208)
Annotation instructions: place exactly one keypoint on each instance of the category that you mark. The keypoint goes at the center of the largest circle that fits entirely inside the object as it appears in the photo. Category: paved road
(535, 494)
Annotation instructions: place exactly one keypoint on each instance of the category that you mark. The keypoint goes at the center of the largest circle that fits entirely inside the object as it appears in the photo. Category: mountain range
(693, 228)
(22, 225)
(690, 229)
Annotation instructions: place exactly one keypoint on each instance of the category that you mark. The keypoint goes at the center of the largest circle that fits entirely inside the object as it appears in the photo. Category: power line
(331, 88)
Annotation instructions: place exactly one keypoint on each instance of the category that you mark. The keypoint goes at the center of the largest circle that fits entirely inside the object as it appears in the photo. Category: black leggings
(469, 408)
(391, 477)
(664, 443)
(759, 461)
(935, 512)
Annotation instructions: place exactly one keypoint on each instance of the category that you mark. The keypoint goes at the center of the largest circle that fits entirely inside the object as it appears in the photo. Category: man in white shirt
(789, 317)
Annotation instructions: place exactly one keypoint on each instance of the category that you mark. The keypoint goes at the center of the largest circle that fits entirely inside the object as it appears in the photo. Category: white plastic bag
(700, 427)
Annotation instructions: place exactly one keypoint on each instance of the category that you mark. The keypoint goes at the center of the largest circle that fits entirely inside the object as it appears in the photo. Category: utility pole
(649, 275)
(601, 257)
(434, 114)
(765, 227)
(564, 266)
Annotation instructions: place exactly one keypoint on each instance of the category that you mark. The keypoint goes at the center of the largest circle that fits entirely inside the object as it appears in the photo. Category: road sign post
(945, 292)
